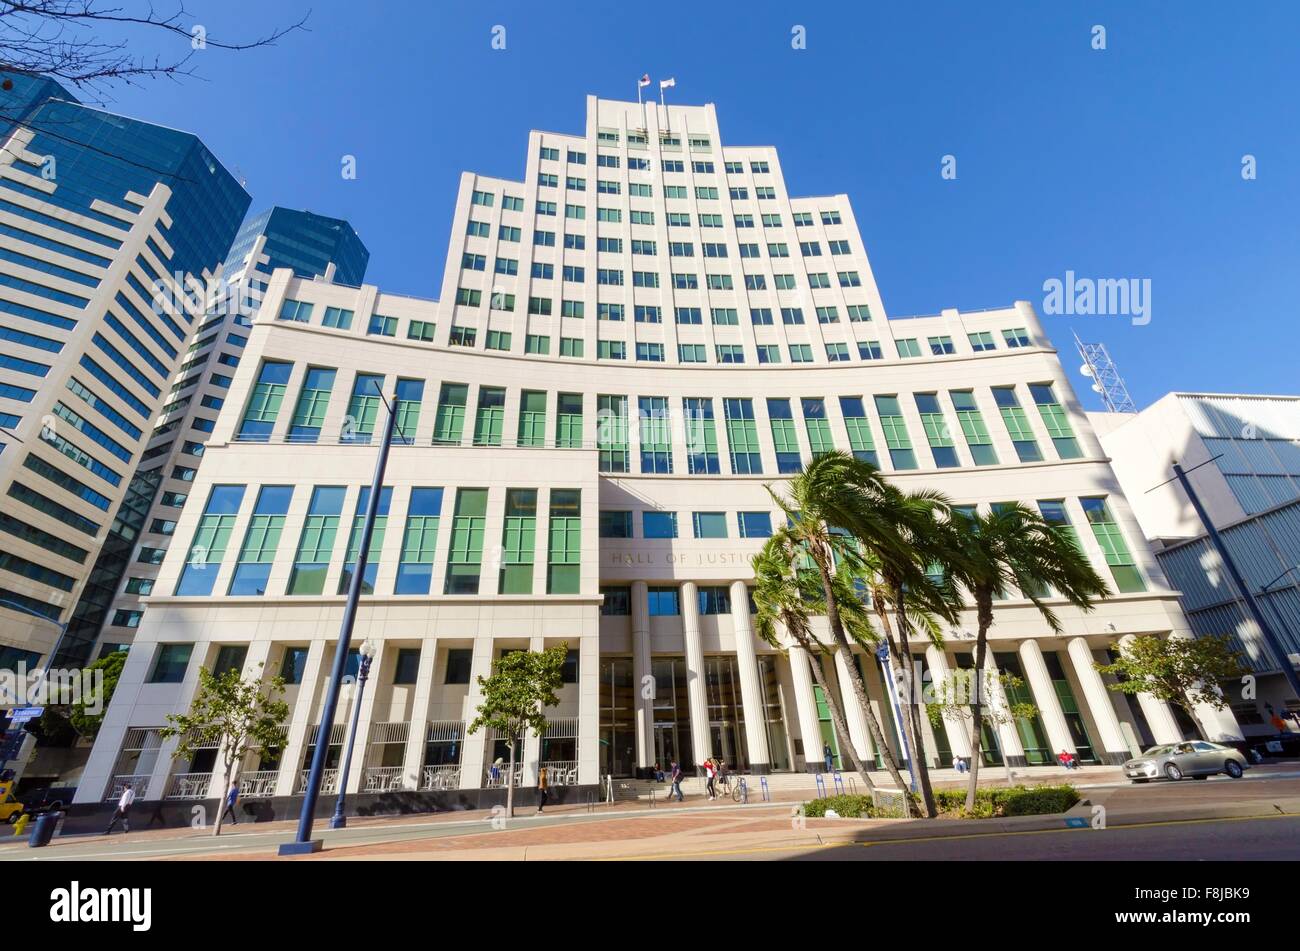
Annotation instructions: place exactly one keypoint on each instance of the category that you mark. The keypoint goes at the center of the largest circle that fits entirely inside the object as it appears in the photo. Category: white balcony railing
(382, 779)
(258, 785)
(499, 780)
(190, 786)
(329, 781)
(561, 772)
(139, 782)
(440, 777)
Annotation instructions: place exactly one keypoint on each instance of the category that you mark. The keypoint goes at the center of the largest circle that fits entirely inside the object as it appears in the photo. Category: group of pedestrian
(715, 773)
(122, 812)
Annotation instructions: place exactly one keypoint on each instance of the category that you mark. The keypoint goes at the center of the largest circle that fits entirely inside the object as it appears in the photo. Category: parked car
(43, 799)
(1198, 759)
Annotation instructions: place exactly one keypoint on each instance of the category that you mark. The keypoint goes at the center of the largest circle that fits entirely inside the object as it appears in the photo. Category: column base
(1115, 759)
(760, 769)
(300, 848)
(1014, 761)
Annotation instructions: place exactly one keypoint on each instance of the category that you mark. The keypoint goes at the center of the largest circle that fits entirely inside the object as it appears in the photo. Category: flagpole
(668, 124)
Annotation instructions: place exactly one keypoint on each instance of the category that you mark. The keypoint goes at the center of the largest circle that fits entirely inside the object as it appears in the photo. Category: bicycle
(727, 789)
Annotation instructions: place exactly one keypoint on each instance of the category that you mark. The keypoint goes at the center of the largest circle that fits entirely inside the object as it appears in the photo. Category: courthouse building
(633, 341)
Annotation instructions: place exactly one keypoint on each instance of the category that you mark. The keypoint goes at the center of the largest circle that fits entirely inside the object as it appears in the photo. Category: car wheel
(1232, 768)
(13, 818)
(1173, 772)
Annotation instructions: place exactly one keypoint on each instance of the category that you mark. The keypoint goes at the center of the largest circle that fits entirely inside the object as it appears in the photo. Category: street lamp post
(882, 655)
(368, 651)
(303, 843)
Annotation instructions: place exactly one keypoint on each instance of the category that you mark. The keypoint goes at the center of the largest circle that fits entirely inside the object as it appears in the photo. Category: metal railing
(190, 786)
(382, 779)
(138, 781)
(258, 785)
(329, 781)
(500, 781)
(440, 777)
(561, 772)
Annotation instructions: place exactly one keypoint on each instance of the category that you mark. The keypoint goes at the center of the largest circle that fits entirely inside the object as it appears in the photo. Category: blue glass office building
(86, 355)
(304, 241)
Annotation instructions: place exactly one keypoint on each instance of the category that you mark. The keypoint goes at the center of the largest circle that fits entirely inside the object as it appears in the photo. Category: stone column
(474, 753)
(589, 704)
(957, 726)
(413, 759)
(1159, 717)
(532, 748)
(643, 668)
(695, 692)
(751, 691)
(304, 717)
(806, 701)
(1049, 707)
(1114, 747)
(1013, 751)
(859, 732)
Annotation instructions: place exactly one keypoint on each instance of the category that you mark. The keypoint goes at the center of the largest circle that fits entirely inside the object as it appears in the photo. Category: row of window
(518, 550)
(658, 420)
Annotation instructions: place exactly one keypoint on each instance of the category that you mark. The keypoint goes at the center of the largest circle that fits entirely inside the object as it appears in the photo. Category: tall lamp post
(303, 843)
(368, 651)
(882, 655)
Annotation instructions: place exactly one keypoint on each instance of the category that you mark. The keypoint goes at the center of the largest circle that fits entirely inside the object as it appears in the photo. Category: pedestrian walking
(675, 773)
(829, 756)
(710, 777)
(232, 798)
(543, 789)
(123, 806)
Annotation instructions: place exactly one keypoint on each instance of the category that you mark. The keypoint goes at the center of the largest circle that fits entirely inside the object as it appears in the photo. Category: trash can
(43, 831)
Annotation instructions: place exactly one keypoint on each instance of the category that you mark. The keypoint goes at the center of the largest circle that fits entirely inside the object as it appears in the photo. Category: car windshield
(1158, 751)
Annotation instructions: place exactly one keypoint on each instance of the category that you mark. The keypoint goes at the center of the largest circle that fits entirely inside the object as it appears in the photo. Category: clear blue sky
(1114, 164)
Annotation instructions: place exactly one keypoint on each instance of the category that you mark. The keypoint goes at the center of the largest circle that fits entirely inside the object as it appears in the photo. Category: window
(849, 279)
(742, 436)
(295, 310)
(647, 314)
(761, 316)
(618, 601)
(1013, 417)
(656, 435)
(689, 315)
(419, 542)
(714, 599)
(615, 523)
(490, 417)
(611, 350)
(1016, 338)
(338, 318)
(253, 569)
(363, 408)
(784, 437)
(663, 601)
(817, 426)
(754, 524)
(211, 537)
(792, 315)
(937, 434)
(564, 560)
(264, 403)
(537, 344)
(410, 394)
(941, 346)
(769, 353)
(908, 347)
(465, 556)
(730, 352)
(800, 353)
(518, 542)
(539, 306)
(973, 428)
(170, 664)
(568, 421)
(1056, 420)
(870, 350)
(650, 352)
(861, 442)
(407, 666)
(422, 330)
(316, 544)
(701, 437)
(497, 340)
(573, 308)
(482, 198)
(459, 663)
(658, 524)
(895, 429)
(981, 341)
(532, 418)
(1104, 528)
(837, 352)
(572, 347)
(709, 524)
(449, 423)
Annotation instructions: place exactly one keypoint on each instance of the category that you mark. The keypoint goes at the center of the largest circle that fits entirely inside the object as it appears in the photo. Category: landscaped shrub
(1012, 801)
(847, 807)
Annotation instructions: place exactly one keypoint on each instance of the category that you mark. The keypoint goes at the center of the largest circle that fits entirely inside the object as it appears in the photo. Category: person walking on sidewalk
(123, 806)
(543, 789)
(710, 777)
(232, 798)
(675, 773)
(828, 756)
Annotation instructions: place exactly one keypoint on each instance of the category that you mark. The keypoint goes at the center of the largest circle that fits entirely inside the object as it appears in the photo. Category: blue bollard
(839, 783)
(821, 786)
(767, 795)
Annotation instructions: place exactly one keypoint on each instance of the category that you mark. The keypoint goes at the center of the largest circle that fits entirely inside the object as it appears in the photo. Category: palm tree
(904, 559)
(833, 511)
(784, 597)
(1013, 545)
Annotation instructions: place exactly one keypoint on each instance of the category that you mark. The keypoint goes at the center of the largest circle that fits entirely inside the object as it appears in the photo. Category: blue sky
(1120, 163)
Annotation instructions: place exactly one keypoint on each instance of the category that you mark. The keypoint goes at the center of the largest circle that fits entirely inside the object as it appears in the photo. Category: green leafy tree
(515, 697)
(987, 554)
(1184, 671)
(86, 722)
(785, 599)
(234, 715)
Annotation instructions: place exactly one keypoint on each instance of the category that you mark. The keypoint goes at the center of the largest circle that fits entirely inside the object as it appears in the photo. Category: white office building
(633, 340)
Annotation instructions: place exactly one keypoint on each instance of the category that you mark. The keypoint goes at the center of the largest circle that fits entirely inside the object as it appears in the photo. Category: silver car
(1195, 758)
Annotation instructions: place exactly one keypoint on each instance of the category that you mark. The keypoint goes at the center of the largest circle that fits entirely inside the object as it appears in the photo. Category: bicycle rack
(653, 801)
(821, 786)
(853, 786)
(591, 800)
(838, 779)
(744, 791)
(767, 793)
